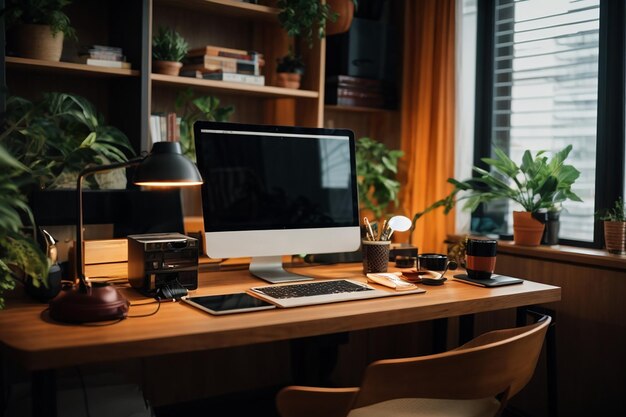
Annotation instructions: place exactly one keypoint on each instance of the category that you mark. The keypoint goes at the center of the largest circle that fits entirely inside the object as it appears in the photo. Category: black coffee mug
(480, 258)
(432, 261)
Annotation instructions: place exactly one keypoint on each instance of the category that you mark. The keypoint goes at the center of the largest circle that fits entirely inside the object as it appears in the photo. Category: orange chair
(476, 379)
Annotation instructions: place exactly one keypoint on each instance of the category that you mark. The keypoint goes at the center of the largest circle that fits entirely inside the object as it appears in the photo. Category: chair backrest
(498, 363)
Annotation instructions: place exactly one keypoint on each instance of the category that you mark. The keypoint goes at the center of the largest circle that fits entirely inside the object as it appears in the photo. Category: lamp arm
(80, 262)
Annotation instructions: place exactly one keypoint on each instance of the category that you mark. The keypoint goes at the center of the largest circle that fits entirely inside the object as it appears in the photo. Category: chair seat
(417, 407)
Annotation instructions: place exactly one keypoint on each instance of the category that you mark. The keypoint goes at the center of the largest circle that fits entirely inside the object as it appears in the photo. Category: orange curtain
(428, 116)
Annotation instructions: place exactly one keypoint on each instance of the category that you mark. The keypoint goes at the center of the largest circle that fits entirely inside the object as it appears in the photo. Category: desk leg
(44, 394)
(440, 335)
(313, 359)
(466, 328)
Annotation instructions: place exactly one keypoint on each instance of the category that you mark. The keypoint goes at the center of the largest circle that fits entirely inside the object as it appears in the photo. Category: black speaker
(360, 52)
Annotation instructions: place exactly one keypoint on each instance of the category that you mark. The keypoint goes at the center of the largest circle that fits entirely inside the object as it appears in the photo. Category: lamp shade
(166, 166)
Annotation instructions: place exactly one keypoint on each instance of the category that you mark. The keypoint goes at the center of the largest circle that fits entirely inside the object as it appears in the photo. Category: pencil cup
(375, 256)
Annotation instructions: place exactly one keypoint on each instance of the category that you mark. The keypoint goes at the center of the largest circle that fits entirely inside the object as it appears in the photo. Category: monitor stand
(270, 269)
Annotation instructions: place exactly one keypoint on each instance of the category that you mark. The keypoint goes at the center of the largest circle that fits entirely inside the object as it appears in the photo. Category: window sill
(568, 254)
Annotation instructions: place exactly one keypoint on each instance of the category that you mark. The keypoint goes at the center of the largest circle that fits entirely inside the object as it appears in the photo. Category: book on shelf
(235, 78)
(105, 63)
(98, 53)
(164, 127)
(212, 63)
(220, 51)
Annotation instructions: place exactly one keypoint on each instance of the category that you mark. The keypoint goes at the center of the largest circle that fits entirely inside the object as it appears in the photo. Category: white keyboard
(321, 292)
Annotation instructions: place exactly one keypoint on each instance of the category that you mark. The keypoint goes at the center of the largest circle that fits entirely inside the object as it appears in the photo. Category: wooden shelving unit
(237, 9)
(233, 88)
(355, 109)
(68, 68)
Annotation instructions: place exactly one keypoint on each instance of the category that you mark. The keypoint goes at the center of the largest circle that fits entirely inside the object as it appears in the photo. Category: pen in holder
(375, 256)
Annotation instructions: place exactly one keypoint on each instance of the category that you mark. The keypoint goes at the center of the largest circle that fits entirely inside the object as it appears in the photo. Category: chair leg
(551, 356)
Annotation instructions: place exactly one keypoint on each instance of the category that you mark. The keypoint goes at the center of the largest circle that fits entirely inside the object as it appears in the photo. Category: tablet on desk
(228, 303)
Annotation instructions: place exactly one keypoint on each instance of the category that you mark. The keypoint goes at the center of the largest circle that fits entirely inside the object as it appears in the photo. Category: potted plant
(20, 257)
(168, 50)
(305, 18)
(377, 169)
(615, 228)
(289, 71)
(37, 27)
(58, 136)
(193, 109)
(537, 184)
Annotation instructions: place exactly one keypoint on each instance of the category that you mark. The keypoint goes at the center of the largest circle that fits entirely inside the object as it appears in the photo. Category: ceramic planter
(288, 79)
(527, 231)
(615, 237)
(551, 231)
(166, 67)
(37, 42)
(345, 12)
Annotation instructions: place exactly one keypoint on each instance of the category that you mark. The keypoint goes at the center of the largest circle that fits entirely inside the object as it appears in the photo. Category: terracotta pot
(37, 42)
(288, 80)
(527, 231)
(615, 237)
(345, 11)
(166, 67)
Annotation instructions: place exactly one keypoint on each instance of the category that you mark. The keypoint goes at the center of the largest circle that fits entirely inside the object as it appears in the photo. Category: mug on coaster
(481, 258)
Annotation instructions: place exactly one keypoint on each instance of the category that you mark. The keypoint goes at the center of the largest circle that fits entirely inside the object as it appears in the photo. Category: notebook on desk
(322, 292)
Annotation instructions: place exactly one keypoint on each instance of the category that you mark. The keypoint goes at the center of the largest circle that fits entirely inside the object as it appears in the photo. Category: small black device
(494, 281)
(163, 265)
(228, 303)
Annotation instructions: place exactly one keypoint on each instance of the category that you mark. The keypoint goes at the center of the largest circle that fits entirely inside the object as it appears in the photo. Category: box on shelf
(345, 90)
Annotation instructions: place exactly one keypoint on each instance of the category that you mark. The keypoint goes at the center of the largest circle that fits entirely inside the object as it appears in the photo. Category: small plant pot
(527, 231)
(288, 79)
(615, 237)
(37, 42)
(166, 67)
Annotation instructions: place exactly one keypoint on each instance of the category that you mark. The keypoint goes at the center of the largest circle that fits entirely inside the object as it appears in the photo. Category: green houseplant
(20, 257)
(192, 109)
(289, 71)
(377, 169)
(308, 18)
(614, 227)
(168, 50)
(58, 136)
(37, 27)
(537, 184)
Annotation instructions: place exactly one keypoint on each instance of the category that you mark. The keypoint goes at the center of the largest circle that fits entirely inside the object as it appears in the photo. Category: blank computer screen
(263, 181)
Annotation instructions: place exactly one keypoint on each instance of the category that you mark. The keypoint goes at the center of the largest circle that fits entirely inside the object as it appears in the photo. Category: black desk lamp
(165, 166)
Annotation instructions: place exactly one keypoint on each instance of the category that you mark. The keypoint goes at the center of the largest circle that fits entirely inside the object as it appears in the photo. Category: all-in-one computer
(270, 191)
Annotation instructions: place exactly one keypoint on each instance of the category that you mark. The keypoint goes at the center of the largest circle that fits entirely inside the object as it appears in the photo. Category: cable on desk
(148, 314)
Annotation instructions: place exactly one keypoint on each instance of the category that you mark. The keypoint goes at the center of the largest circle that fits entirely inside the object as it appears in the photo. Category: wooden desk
(28, 335)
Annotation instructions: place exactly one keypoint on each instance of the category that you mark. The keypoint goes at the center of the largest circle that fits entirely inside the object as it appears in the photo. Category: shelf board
(68, 68)
(233, 88)
(355, 109)
(238, 9)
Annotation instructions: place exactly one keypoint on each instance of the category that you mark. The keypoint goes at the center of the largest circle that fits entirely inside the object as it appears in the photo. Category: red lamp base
(100, 302)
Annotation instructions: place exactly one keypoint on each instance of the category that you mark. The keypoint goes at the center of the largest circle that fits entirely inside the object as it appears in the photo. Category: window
(543, 86)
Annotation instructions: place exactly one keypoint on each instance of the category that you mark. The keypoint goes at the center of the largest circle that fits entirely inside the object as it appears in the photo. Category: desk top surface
(27, 332)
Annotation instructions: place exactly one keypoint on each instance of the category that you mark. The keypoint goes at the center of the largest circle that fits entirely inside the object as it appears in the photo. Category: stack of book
(104, 56)
(224, 64)
(344, 90)
(164, 127)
